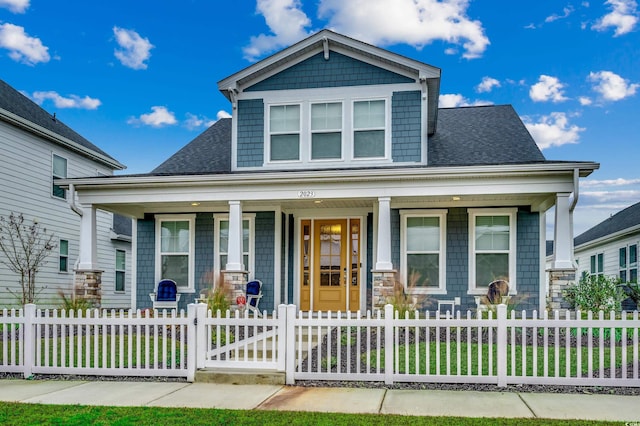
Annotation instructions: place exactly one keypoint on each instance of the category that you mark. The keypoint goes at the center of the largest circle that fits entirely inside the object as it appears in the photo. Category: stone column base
(236, 282)
(559, 280)
(88, 285)
(383, 286)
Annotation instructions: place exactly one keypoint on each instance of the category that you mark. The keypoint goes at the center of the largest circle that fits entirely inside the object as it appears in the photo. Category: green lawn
(408, 356)
(36, 414)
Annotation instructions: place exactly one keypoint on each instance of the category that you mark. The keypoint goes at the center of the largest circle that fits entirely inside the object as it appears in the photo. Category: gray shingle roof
(16, 103)
(209, 152)
(481, 135)
(620, 221)
(465, 136)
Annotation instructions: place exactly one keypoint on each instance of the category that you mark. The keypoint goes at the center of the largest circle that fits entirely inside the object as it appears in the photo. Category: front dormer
(331, 102)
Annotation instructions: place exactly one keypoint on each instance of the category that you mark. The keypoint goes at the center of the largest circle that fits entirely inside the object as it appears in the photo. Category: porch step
(240, 376)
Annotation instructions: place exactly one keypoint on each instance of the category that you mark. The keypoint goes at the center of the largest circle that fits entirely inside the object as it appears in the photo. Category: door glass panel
(355, 251)
(330, 255)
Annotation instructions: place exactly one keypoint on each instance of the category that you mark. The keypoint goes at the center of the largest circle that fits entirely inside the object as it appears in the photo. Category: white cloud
(457, 100)
(585, 101)
(380, 22)
(566, 11)
(22, 47)
(623, 17)
(414, 22)
(553, 130)
(134, 49)
(15, 6)
(625, 197)
(611, 86)
(72, 101)
(194, 122)
(287, 22)
(592, 183)
(487, 85)
(547, 89)
(160, 117)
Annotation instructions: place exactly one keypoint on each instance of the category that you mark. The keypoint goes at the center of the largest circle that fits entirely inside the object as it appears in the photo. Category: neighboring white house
(611, 247)
(36, 147)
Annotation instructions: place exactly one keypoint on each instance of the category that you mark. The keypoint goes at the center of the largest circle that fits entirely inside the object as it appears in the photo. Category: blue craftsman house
(337, 175)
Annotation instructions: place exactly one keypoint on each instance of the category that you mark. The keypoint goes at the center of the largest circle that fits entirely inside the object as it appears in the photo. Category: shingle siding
(250, 152)
(528, 259)
(204, 256)
(338, 71)
(405, 127)
(458, 257)
(264, 256)
(145, 275)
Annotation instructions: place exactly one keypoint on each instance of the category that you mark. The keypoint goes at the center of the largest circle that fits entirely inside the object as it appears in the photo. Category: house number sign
(306, 194)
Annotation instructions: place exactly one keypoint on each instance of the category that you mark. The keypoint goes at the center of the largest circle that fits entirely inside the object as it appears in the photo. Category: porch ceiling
(538, 202)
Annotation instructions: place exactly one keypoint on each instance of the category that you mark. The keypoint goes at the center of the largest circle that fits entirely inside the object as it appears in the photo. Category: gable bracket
(325, 46)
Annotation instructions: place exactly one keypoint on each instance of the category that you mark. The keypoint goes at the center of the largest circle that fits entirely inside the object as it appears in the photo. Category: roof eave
(58, 139)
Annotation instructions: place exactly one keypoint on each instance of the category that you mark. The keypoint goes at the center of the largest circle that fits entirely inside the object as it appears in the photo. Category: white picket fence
(423, 347)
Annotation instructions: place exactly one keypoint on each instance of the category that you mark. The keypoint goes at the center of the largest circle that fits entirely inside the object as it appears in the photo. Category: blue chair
(253, 295)
(166, 295)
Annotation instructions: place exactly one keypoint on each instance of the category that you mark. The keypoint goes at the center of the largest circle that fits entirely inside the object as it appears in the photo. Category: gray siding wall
(204, 255)
(250, 151)
(265, 233)
(406, 127)
(146, 262)
(338, 71)
(528, 253)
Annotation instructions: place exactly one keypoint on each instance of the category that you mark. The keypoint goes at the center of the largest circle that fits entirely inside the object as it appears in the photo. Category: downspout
(72, 200)
(574, 202)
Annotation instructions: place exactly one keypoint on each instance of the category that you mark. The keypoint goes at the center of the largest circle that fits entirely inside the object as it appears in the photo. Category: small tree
(595, 293)
(26, 248)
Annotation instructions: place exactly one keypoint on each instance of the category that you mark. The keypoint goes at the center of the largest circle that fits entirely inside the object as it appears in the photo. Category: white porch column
(383, 261)
(88, 257)
(563, 253)
(234, 251)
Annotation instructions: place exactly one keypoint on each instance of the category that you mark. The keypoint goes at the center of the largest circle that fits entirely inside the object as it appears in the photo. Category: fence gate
(241, 339)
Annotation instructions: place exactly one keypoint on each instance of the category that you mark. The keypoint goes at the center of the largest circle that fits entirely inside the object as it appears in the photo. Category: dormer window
(368, 129)
(326, 131)
(284, 127)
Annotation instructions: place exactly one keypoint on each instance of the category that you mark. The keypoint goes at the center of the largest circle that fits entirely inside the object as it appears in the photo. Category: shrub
(219, 298)
(73, 301)
(595, 293)
(633, 291)
(408, 300)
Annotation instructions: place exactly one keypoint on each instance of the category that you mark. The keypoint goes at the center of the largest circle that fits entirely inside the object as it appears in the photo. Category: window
(121, 266)
(492, 248)
(64, 256)
(222, 242)
(628, 263)
(59, 172)
(368, 129)
(175, 250)
(597, 264)
(284, 131)
(326, 131)
(423, 243)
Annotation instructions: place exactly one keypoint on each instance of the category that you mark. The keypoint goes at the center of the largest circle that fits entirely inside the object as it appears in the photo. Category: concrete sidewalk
(343, 400)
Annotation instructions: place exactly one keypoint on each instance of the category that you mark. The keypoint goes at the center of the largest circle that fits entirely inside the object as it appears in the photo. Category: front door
(330, 273)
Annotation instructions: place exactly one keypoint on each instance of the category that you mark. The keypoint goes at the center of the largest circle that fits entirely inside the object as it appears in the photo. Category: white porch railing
(602, 351)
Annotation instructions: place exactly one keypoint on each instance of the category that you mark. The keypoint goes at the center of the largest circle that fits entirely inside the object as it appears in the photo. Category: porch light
(195, 204)
(317, 202)
(455, 198)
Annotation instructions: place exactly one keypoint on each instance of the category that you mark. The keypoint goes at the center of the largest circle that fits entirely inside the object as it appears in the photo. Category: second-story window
(284, 131)
(326, 131)
(59, 172)
(368, 129)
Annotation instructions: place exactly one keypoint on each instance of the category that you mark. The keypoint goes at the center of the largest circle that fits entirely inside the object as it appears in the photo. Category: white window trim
(116, 270)
(442, 266)
(191, 218)
(513, 227)
(316, 96)
(217, 267)
(53, 176)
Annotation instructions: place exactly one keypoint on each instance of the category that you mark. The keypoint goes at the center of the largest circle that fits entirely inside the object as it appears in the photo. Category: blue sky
(139, 78)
